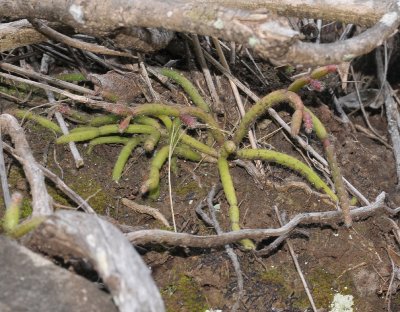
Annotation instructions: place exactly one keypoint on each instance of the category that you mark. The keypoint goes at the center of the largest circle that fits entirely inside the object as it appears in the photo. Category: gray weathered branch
(41, 201)
(74, 234)
(210, 241)
(269, 35)
(365, 13)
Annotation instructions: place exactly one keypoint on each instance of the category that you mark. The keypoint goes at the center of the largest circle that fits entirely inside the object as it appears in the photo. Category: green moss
(279, 277)
(325, 285)
(19, 89)
(71, 77)
(87, 187)
(26, 208)
(184, 295)
(58, 196)
(187, 188)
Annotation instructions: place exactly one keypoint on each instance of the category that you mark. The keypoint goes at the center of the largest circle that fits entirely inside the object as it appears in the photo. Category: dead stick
(210, 241)
(41, 200)
(57, 182)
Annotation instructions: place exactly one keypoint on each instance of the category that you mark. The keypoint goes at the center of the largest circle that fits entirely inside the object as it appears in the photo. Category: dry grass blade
(297, 265)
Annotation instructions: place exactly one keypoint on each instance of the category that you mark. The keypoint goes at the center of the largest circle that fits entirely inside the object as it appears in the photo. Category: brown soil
(333, 259)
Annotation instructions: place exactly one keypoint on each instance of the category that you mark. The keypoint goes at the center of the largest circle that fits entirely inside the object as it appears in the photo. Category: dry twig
(206, 72)
(391, 108)
(55, 35)
(57, 182)
(155, 213)
(210, 241)
(3, 175)
(229, 250)
(41, 200)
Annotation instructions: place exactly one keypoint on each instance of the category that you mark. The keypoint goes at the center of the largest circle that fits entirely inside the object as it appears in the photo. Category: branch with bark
(151, 22)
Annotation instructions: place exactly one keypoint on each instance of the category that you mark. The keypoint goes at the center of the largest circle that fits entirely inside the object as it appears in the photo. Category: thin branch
(3, 176)
(61, 122)
(79, 98)
(155, 213)
(55, 35)
(213, 221)
(41, 200)
(57, 182)
(210, 241)
(391, 109)
(206, 72)
(72, 146)
(46, 78)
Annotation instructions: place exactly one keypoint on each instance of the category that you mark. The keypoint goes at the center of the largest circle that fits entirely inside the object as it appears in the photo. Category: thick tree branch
(74, 234)
(268, 35)
(365, 13)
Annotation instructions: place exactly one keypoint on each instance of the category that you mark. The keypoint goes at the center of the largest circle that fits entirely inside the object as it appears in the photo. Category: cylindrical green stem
(26, 227)
(289, 162)
(154, 176)
(104, 130)
(123, 157)
(114, 139)
(188, 87)
(316, 74)
(151, 141)
(144, 120)
(262, 106)
(44, 122)
(186, 152)
(322, 135)
(82, 128)
(104, 120)
(230, 194)
(338, 181)
(196, 144)
(166, 121)
(12, 214)
(156, 109)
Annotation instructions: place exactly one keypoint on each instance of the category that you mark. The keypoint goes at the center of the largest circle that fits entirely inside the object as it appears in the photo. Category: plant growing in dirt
(160, 129)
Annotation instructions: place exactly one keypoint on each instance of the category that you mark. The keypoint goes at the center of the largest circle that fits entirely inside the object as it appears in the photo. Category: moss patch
(189, 189)
(26, 208)
(184, 295)
(324, 285)
(280, 277)
(88, 187)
